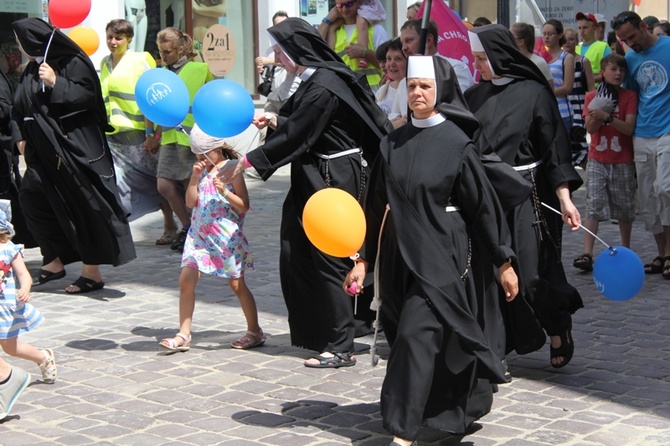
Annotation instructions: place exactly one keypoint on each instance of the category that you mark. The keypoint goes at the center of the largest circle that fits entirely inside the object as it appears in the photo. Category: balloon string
(598, 238)
(46, 51)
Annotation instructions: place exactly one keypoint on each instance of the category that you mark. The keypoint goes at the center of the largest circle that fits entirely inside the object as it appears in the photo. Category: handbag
(265, 87)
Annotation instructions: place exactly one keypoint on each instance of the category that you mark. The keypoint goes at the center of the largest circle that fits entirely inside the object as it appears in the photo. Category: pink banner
(452, 40)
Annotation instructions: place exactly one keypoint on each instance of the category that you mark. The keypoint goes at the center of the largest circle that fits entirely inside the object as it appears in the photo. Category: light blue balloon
(223, 108)
(618, 273)
(162, 97)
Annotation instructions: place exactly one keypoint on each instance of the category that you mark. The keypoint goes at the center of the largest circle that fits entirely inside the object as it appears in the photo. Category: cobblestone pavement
(116, 388)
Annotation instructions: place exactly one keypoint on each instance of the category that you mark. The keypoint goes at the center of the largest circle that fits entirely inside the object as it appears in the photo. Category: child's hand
(23, 295)
(199, 167)
(219, 185)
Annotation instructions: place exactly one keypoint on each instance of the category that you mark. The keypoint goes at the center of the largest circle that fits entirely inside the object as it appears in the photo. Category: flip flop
(43, 276)
(85, 285)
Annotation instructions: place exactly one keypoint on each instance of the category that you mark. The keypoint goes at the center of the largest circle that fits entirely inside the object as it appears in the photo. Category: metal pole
(424, 25)
(503, 13)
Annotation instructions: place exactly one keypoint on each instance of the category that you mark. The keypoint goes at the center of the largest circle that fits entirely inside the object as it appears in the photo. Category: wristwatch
(609, 120)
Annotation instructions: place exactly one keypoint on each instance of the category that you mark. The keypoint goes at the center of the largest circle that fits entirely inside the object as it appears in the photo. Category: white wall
(102, 11)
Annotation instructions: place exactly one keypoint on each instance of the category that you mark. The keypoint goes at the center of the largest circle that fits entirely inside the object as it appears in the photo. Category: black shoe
(178, 243)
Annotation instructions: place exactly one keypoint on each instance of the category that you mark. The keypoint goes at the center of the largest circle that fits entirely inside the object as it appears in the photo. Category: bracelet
(247, 164)
(365, 50)
(225, 193)
(326, 20)
(158, 135)
(609, 120)
(149, 131)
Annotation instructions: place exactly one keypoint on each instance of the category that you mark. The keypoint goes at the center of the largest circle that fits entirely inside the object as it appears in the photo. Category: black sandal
(339, 359)
(655, 267)
(584, 262)
(565, 351)
(85, 285)
(43, 276)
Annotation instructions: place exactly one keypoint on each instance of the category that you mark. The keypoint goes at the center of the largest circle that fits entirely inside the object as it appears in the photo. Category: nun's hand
(568, 209)
(509, 281)
(47, 75)
(357, 274)
(265, 120)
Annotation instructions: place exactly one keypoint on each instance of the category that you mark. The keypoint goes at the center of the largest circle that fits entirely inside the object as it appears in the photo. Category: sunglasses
(633, 18)
(345, 4)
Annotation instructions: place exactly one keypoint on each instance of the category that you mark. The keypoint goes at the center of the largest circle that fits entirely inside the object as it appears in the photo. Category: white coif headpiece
(475, 43)
(421, 67)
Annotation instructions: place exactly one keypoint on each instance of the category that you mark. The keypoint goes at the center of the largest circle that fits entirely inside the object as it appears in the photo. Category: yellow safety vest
(194, 75)
(371, 72)
(594, 54)
(118, 90)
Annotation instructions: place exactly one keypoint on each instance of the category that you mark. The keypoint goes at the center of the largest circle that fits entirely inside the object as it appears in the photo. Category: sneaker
(12, 389)
(178, 243)
(48, 367)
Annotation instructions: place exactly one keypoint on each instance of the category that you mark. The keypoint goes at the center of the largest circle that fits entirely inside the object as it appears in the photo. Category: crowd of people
(417, 138)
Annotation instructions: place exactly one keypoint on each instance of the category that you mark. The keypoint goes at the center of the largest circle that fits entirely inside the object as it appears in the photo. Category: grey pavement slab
(115, 387)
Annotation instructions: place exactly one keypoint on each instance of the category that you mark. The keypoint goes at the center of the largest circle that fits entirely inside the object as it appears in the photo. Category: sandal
(167, 238)
(178, 243)
(655, 267)
(43, 276)
(666, 268)
(339, 359)
(249, 340)
(584, 262)
(48, 367)
(85, 285)
(565, 351)
(171, 343)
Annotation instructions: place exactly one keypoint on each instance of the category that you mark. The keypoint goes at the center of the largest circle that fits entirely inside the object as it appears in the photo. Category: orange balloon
(86, 38)
(334, 222)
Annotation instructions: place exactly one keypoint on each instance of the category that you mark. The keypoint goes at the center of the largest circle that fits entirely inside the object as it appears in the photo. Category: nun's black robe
(521, 124)
(442, 328)
(331, 112)
(68, 195)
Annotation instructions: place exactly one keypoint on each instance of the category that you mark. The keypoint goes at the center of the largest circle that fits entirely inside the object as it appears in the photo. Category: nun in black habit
(68, 195)
(10, 175)
(436, 234)
(520, 122)
(328, 130)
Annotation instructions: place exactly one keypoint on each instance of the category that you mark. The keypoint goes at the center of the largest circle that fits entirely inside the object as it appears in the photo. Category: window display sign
(218, 50)
(313, 10)
(24, 6)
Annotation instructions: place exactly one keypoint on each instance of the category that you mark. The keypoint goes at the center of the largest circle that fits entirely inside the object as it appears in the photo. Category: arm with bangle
(152, 137)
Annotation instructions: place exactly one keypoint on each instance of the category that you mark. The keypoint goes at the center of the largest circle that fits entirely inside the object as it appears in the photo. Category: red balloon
(68, 13)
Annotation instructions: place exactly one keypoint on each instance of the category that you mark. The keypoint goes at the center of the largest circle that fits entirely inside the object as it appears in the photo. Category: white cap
(420, 66)
(202, 143)
(475, 43)
(600, 18)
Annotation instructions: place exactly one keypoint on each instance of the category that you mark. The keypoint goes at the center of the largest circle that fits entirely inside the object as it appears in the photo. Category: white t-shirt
(385, 97)
(543, 66)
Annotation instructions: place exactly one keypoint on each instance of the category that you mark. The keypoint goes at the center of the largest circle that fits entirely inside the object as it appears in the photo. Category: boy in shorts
(610, 170)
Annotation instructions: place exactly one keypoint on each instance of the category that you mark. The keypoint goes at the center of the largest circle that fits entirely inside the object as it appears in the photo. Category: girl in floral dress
(17, 315)
(215, 243)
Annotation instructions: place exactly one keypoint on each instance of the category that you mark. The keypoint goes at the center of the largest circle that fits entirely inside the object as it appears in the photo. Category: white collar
(307, 73)
(428, 122)
(500, 81)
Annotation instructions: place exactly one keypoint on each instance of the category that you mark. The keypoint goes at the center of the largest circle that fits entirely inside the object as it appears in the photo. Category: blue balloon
(618, 273)
(223, 108)
(162, 97)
